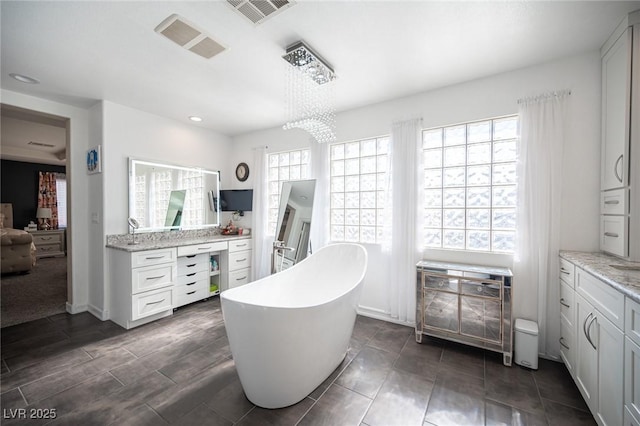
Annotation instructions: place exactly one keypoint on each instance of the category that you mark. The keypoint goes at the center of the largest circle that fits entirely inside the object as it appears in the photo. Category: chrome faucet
(278, 246)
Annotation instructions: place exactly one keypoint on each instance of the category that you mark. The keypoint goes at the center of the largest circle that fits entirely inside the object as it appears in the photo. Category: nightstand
(49, 243)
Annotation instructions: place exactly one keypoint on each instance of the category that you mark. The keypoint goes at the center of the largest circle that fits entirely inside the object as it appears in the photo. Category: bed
(17, 253)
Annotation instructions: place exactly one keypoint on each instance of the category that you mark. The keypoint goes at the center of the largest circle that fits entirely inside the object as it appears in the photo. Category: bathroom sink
(626, 267)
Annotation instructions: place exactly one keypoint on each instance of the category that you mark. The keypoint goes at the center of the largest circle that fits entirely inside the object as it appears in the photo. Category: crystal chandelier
(309, 97)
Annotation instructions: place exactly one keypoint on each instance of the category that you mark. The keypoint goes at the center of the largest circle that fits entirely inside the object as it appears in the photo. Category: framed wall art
(94, 160)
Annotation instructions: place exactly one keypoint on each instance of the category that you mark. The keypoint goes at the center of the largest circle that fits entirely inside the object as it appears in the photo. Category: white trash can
(526, 343)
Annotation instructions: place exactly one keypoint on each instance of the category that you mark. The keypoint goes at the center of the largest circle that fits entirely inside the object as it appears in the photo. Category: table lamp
(43, 214)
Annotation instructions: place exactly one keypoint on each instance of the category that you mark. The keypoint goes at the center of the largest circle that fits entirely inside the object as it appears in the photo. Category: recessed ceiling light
(195, 118)
(24, 79)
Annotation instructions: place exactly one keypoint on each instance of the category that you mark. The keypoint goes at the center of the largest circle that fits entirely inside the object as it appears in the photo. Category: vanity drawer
(239, 245)
(152, 277)
(151, 302)
(239, 260)
(238, 278)
(567, 272)
(632, 320)
(202, 248)
(191, 293)
(613, 234)
(606, 299)
(192, 277)
(567, 345)
(567, 304)
(192, 263)
(153, 257)
(614, 202)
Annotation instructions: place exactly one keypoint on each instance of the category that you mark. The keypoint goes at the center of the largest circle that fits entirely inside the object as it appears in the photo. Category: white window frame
(357, 190)
(284, 166)
(486, 227)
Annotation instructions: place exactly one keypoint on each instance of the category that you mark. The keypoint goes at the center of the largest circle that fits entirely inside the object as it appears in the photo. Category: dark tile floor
(179, 371)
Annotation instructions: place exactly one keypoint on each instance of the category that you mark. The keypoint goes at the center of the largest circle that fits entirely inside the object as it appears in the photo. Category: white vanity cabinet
(142, 285)
(194, 271)
(567, 315)
(620, 180)
(239, 262)
(632, 362)
(598, 359)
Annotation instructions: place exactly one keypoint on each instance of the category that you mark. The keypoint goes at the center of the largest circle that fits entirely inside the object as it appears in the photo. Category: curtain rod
(545, 96)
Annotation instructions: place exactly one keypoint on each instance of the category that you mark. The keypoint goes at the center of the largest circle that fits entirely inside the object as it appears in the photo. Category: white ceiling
(91, 50)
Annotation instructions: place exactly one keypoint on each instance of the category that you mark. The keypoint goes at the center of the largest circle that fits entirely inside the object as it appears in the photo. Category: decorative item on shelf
(94, 160)
(43, 214)
(31, 226)
(133, 223)
(242, 172)
(230, 229)
(309, 97)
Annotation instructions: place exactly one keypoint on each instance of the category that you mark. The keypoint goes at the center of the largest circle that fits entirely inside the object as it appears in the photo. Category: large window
(469, 196)
(358, 184)
(284, 166)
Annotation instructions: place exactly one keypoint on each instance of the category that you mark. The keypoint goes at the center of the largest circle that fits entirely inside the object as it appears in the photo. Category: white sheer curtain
(402, 248)
(538, 223)
(262, 243)
(320, 215)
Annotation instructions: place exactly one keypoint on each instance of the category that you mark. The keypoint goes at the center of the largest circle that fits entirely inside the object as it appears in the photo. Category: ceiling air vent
(257, 11)
(185, 34)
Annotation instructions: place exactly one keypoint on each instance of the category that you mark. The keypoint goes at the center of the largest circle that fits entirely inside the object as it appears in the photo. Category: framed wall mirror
(165, 196)
(294, 223)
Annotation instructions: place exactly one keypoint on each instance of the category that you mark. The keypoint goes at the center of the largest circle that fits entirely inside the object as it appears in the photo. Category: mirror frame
(133, 162)
(284, 203)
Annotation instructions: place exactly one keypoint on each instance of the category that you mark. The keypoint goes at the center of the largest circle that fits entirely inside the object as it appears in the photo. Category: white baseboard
(98, 313)
(75, 309)
(379, 314)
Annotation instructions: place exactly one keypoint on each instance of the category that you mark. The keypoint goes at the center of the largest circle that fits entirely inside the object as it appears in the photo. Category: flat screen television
(232, 200)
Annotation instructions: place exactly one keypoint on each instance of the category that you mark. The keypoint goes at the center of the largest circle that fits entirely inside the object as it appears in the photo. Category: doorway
(34, 142)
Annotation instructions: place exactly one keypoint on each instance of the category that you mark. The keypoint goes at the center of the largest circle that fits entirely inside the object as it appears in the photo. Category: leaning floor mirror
(293, 228)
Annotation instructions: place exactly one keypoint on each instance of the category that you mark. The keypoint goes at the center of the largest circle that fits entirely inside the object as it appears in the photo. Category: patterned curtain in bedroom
(47, 195)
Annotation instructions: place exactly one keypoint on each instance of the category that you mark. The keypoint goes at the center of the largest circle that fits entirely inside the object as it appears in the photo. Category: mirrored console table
(469, 304)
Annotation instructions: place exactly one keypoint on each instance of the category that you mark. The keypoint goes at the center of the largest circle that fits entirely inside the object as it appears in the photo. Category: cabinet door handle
(155, 303)
(564, 345)
(191, 292)
(155, 278)
(45, 238)
(611, 234)
(241, 278)
(191, 255)
(192, 265)
(584, 326)
(241, 260)
(595, 318)
(563, 303)
(241, 245)
(612, 202)
(153, 257)
(615, 168)
(191, 283)
(191, 274)
(204, 248)
(563, 271)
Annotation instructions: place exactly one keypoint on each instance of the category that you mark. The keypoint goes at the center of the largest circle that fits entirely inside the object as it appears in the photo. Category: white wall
(78, 184)
(127, 132)
(476, 100)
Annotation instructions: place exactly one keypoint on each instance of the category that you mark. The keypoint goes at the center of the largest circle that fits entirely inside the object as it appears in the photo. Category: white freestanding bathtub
(289, 331)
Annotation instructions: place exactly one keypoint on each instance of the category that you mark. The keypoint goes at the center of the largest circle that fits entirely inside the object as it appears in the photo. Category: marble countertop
(143, 245)
(599, 265)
